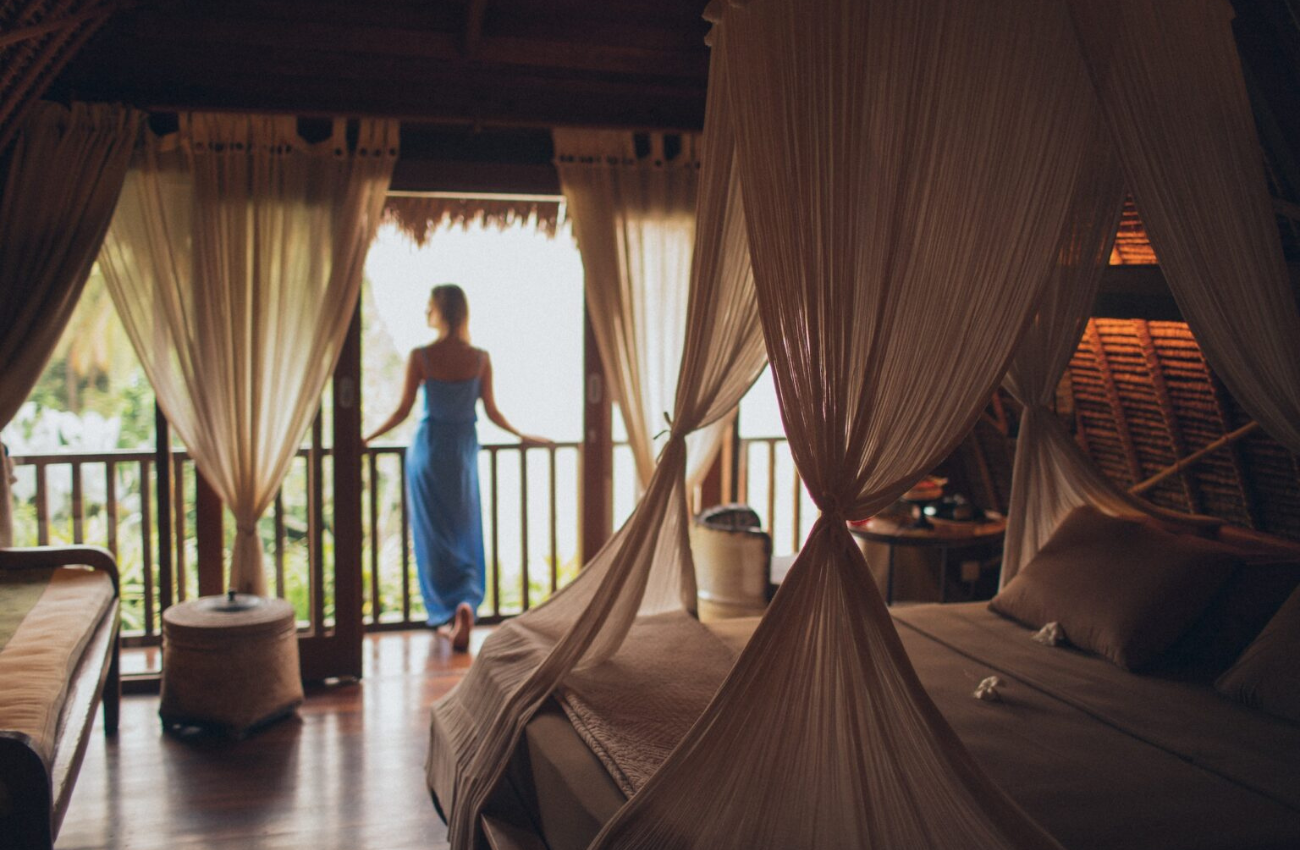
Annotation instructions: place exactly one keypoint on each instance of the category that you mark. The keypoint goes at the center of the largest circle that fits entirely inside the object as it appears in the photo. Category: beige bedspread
(684, 663)
(1100, 757)
(38, 659)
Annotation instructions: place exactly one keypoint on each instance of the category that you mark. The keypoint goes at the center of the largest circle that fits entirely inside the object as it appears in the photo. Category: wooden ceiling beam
(505, 100)
(474, 14)
(354, 44)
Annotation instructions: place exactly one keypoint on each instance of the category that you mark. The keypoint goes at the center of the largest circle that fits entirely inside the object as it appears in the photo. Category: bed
(58, 662)
(1099, 756)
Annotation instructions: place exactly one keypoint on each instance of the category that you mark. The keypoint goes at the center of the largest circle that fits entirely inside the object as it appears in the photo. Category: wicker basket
(230, 663)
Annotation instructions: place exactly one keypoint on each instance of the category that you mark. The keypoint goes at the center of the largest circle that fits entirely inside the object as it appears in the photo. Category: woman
(442, 463)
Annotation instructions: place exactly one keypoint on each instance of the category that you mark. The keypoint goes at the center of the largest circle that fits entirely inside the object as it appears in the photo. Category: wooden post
(597, 489)
(209, 535)
(348, 545)
(163, 472)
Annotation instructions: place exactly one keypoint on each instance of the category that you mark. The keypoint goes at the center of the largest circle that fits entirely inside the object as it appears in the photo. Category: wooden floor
(347, 775)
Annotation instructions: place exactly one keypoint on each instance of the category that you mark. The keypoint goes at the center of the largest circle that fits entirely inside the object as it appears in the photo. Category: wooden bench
(36, 782)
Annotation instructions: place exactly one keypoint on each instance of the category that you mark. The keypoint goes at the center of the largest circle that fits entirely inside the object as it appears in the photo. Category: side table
(230, 663)
(946, 537)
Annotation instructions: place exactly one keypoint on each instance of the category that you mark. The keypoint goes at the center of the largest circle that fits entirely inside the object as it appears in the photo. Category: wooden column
(209, 535)
(597, 488)
(347, 450)
(166, 534)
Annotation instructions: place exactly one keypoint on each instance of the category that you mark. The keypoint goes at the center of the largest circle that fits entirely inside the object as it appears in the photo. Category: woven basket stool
(230, 663)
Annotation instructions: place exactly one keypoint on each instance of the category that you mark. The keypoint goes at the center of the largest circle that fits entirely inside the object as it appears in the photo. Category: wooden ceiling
(521, 63)
(478, 83)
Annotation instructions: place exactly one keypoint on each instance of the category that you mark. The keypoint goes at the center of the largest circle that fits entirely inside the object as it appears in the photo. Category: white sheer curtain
(1174, 106)
(646, 567)
(65, 170)
(1170, 85)
(634, 220)
(907, 170)
(1051, 476)
(235, 260)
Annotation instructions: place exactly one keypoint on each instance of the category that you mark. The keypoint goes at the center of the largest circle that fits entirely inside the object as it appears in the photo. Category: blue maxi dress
(446, 518)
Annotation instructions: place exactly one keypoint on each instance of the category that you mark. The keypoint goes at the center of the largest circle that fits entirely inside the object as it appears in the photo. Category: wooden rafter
(474, 14)
(32, 31)
(1122, 431)
(1185, 463)
(1234, 449)
(1159, 388)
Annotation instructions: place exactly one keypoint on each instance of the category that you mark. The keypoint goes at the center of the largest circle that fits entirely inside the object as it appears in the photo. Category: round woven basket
(230, 663)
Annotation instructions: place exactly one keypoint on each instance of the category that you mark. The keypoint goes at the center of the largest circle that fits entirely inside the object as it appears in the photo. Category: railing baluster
(372, 467)
(797, 509)
(406, 539)
(316, 525)
(555, 547)
(146, 530)
(42, 507)
(150, 596)
(523, 527)
(279, 544)
(78, 505)
(771, 486)
(496, 560)
(178, 520)
(742, 473)
(110, 504)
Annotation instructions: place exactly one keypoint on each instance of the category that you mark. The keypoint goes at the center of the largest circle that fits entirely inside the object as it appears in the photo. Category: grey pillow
(1267, 675)
(1122, 588)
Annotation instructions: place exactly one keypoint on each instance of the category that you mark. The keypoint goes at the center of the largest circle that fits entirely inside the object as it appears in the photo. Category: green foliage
(94, 397)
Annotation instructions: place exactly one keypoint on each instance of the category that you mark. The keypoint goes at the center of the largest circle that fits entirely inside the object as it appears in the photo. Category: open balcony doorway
(525, 292)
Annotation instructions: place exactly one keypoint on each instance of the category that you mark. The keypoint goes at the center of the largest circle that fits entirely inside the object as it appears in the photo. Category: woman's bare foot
(463, 625)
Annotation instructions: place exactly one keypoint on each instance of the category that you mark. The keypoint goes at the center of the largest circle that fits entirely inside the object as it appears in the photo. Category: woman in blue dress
(442, 463)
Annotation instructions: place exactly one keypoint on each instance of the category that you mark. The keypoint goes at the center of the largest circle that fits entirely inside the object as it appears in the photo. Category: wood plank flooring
(348, 774)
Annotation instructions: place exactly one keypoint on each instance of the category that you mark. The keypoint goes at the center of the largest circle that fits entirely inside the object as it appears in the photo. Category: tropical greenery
(94, 398)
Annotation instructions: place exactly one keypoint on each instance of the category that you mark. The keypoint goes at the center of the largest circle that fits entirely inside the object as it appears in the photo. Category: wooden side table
(230, 663)
(946, 537)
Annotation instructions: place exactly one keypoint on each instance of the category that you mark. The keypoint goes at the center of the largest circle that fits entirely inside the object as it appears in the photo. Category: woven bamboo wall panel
(1142, 396)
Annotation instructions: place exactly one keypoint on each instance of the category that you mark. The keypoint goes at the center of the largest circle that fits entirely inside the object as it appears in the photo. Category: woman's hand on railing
(527, 441)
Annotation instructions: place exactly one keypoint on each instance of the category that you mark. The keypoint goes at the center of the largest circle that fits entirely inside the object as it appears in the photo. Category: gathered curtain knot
(831, 508)
(246, 528)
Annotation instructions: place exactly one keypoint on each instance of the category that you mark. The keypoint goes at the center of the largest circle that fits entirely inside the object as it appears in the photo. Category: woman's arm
(413, 375)
(494, 414)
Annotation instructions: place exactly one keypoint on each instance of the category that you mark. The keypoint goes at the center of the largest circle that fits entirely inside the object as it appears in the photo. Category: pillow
(1235, 617)
(1267, 675)
(1122, 588)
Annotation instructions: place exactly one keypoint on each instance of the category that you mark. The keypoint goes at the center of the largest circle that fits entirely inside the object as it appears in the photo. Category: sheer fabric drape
(1051, 476)
(634, 221)
(1170, 85)
(63, 176)
(907, 170)
(1173, 106)
(235, 261)
(646, 568)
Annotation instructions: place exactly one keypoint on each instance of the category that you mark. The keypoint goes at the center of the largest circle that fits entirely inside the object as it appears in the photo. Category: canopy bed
(896, 171)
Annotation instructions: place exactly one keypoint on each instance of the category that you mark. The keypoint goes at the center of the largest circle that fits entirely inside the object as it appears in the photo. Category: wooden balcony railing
(110, 499)
(530, 534)
(767, 481)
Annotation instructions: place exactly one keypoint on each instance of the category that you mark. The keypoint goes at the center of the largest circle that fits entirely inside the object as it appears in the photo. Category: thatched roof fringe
(418, 216)
(1132, 246)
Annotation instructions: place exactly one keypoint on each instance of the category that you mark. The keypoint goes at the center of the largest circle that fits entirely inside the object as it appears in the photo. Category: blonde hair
(453, 307)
